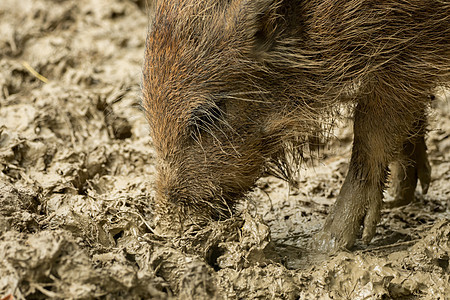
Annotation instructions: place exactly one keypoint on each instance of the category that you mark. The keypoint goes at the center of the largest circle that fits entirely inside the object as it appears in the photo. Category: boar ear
(262, 20)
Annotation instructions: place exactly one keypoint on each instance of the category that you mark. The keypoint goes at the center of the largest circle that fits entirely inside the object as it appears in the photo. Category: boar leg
(413, 166)
(381, 127)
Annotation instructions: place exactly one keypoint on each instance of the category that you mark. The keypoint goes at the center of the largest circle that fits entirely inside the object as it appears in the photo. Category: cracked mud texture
(76, 186)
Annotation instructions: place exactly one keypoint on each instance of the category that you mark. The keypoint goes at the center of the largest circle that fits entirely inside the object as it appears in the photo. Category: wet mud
(76, 186)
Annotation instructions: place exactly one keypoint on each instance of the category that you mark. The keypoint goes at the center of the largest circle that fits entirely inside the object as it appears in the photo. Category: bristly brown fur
(233, 87)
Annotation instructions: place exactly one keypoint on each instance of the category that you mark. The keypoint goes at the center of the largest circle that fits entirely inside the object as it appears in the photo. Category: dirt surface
(76, 186)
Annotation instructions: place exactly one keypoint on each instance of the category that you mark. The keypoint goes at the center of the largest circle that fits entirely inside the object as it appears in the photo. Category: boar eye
(206, 117)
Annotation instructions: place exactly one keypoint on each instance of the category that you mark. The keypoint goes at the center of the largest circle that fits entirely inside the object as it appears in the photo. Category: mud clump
(18, 207)
(77, 173)
(50, 264)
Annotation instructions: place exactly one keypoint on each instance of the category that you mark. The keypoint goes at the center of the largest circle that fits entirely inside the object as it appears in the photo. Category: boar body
(234, 88)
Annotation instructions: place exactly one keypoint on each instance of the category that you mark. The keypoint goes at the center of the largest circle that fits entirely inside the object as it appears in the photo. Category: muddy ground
(76, 185)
